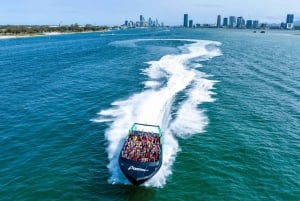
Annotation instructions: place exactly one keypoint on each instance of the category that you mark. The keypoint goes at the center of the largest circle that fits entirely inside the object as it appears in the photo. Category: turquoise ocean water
(228, 102)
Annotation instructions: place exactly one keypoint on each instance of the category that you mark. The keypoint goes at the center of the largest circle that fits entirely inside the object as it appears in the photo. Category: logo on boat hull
(137, 169)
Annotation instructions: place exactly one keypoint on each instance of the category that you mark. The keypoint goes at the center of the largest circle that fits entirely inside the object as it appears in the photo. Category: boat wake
(159, 104)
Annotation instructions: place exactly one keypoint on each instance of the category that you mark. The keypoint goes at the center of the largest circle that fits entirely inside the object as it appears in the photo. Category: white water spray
(153, 106)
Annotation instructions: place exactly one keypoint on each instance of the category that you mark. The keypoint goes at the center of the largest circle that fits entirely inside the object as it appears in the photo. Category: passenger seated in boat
(142, 146)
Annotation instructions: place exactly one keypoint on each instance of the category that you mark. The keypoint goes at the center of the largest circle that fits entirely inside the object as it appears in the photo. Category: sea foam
(154, 105)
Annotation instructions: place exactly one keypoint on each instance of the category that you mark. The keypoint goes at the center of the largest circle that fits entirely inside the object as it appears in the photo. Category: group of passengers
(142, 147)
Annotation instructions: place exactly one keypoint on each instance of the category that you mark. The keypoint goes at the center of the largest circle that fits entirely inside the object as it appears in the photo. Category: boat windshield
(146, 128)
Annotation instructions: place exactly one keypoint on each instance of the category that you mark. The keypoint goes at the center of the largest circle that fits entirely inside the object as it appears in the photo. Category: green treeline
(40, 29)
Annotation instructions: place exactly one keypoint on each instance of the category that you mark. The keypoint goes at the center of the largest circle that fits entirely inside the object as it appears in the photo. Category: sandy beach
(26, 36)
(2, 37)
(9, 37)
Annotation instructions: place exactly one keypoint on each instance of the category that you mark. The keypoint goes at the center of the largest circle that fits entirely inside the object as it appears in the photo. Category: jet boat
(141, 155)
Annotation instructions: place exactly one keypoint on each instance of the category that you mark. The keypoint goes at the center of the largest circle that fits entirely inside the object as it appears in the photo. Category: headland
(20, 31)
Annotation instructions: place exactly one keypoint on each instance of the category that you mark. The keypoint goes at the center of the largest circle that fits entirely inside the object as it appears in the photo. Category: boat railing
(133, 128)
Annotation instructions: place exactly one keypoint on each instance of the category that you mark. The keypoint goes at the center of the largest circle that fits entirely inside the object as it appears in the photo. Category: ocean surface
(228, 102)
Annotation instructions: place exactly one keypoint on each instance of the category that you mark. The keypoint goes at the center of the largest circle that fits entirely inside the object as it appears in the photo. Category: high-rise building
(263, 25)
(142, 18)
(190, 23)
(249, 24)
(225, 22)
(219, 21)
(290, 18)
(185, 20)
(255, 24)
(149, 22)
(289, 21)
(240, 22)
(156, 22)
(129, 23)
(232, 21)
(142, 21)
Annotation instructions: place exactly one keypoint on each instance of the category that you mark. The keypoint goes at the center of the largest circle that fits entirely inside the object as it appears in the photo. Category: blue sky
(115, 12)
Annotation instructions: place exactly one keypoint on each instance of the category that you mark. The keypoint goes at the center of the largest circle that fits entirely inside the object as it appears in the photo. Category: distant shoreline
(24, 31)
(13, 36)
(53, 33)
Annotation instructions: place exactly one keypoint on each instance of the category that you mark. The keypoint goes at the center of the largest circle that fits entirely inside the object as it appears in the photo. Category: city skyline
(241, 23)
(114, 12)
(143, 22)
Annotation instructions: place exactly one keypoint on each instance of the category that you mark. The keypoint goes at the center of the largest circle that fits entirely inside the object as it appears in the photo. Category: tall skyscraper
(219, 21)
(289, 21)
(185, 20)
(249, 24)
(156, 22)
(225, 22)
(190, 23)
(255, 24)
(150, 22)
(232, 21)
(240, 22)
(142, 21)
